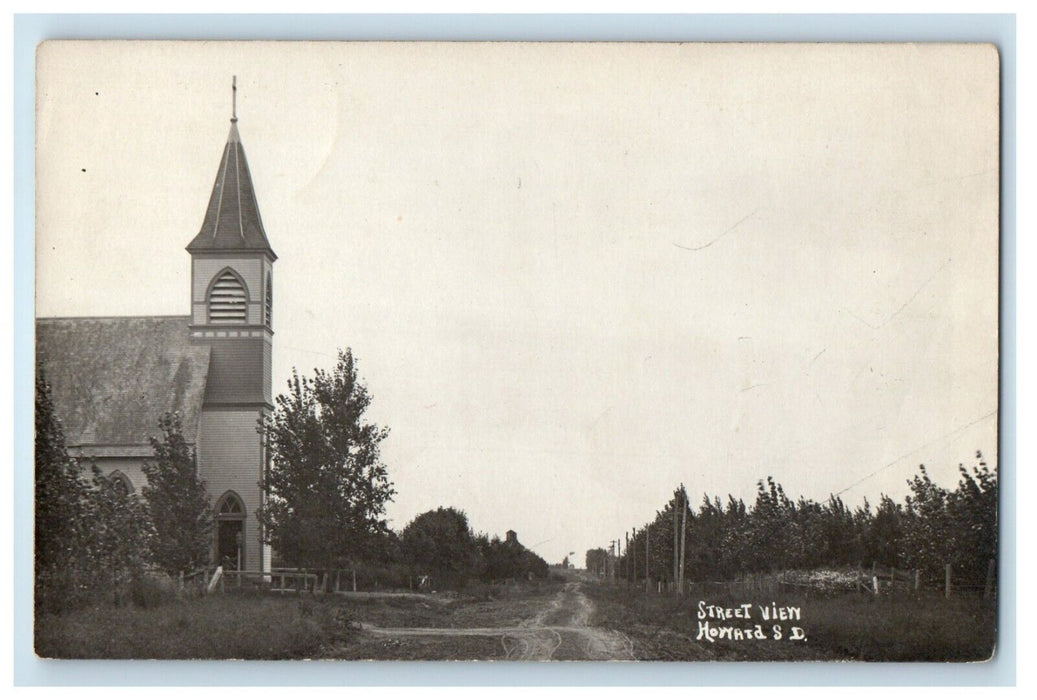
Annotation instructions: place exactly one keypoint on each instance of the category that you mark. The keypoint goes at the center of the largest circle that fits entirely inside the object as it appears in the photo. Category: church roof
(112, 378)
(232, 220)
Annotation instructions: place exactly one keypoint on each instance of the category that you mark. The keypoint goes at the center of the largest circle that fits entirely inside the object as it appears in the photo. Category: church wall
(132, 467)
(239, 371)
(268, 372)
(230, 459)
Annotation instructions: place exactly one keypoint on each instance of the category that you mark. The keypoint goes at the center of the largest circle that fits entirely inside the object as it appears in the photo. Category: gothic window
(230, 506)
(228, 300)
(269, 298)
(120, 483)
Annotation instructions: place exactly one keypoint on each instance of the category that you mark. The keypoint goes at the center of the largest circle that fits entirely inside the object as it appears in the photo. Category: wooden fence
(289, 580)
(876, 580)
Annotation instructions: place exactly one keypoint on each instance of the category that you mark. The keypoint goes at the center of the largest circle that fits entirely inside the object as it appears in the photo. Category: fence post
(859, 574)
(892, 580)
(918, 579)
(875, 583)
(988, 589)
(354, 580)
(947, 580)
(181, 589)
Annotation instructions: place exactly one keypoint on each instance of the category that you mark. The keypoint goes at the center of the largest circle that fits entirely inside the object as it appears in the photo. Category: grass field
(840, 627)
(256, 626)
(218, 627)
(660, 627)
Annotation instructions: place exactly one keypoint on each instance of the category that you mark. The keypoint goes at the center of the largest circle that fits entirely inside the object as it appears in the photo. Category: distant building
(511, 536)
(113, 377)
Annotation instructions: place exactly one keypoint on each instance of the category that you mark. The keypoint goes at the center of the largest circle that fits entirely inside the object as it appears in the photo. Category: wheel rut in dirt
(561, 630)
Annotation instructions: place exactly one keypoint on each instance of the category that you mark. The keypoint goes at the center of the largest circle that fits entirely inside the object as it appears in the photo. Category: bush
(151, 591)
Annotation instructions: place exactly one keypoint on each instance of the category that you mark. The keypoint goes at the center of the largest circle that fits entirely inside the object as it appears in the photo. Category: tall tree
(326, 486)
(929, 538)
(91, 537)
(594, 560)
(117, 539)
(973, 507)
(440, 542)
(177, 502)
(60, 494)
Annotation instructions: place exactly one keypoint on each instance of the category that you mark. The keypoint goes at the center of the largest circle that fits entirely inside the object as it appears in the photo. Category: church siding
(268, 352)
(234, 372)
(230, 459)
(132, 467)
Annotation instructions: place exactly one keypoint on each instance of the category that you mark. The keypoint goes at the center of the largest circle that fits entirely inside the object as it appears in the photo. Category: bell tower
(232, 313)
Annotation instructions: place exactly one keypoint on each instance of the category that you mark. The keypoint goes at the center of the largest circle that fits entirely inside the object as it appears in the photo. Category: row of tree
(92, 535)
(326, 494)
(932, 527)
(441, 543)
(327, 489)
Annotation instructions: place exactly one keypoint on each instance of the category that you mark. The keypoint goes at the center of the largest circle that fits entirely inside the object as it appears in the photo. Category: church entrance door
(231, 544)
(230, 532)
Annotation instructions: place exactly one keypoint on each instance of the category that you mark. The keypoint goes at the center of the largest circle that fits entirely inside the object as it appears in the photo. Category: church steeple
(232, 286)
(232, 269)
(232, 221)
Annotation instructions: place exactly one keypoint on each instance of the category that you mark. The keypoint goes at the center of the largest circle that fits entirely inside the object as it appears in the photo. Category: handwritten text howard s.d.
(749, 621)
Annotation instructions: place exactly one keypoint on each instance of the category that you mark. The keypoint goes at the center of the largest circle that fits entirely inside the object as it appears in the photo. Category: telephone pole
(626, 548)
(684, 532)
(648, 578)
(675, 540)
(612, 560)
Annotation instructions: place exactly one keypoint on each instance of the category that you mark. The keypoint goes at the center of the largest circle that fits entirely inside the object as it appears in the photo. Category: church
(112, 378)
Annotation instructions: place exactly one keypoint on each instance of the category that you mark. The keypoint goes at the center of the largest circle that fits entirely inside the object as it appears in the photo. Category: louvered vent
(227, 300)
(269, 299)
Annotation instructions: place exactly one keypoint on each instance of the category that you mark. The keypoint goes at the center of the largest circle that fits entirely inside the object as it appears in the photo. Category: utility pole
(626, 548)
(684, 531)
(633, 555)
(615, 562)
(648, 578)
(675, 543)
(612, 560)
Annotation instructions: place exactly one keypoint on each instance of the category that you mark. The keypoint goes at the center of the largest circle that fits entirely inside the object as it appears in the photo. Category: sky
(574, 275)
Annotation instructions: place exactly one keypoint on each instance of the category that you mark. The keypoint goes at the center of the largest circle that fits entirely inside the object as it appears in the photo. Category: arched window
(230, 507)
(228, 299)
(121, 483)
(269, 298)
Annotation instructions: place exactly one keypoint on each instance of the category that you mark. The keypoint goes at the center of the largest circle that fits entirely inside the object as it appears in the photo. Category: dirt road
(559, 631)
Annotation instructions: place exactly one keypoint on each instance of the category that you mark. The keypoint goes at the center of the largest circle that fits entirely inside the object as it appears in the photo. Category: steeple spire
(232, 220)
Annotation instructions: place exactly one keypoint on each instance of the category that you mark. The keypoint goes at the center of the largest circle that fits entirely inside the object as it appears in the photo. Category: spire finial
(234, 98)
